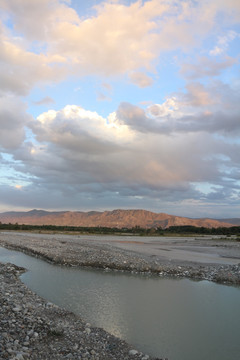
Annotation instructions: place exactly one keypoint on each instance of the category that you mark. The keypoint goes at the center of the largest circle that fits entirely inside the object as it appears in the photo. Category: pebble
(88, 331)
(133, 352)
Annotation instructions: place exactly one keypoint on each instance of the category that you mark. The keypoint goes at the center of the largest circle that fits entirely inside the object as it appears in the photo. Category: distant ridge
(233, 221)
(115, 218)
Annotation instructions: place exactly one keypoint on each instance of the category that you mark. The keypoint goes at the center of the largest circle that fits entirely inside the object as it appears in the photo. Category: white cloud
(117, 39)
(21, 69)
(35, 19)
(169, 107)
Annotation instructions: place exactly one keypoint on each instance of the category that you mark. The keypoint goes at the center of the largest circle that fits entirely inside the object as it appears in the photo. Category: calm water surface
(176, 319)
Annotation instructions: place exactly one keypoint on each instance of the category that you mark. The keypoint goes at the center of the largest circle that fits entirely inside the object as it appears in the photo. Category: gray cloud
(218, 112)
(153, 166)
(13, 118)
(173, 202)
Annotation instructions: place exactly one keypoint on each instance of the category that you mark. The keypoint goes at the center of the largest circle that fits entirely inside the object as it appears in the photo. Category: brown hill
(115, 218)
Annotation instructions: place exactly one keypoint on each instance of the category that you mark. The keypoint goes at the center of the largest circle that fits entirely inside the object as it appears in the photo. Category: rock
(19, 357)
(88, 330)
(133, 352)
(17, 309)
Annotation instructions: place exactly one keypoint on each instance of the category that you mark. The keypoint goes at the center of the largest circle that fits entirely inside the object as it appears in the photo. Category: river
(178, 319)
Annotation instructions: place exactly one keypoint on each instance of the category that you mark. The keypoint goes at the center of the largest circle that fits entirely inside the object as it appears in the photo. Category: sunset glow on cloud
(120, 104)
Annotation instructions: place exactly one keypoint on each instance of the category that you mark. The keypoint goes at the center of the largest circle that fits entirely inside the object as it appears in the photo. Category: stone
(19, 357)
(133, 352)
(17, 309)
(88, 331)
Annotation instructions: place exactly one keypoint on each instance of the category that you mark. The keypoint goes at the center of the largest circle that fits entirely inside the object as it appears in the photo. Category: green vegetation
(172, 230)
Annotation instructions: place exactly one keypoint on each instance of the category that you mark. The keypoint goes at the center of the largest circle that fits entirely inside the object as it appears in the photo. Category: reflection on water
(177, 319)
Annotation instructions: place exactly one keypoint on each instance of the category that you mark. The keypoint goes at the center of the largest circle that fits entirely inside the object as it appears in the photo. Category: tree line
(137, 230)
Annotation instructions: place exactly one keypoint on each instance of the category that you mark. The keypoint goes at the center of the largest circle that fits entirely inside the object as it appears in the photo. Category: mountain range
(115, 218)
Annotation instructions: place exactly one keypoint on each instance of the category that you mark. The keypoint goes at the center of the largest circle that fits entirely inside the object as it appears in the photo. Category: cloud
(118, 38)
(13, 119)
(164, 110)
(198, 95)
(212, 109)
(86, 148)
(22, 69)
(140, 79)
(88, 152)
(223, 43)
(74, 126)
(26, 14)
(47, 100)
(102, 97)
(206, 67)
(105, 92)
(137, 155)
(129, 158)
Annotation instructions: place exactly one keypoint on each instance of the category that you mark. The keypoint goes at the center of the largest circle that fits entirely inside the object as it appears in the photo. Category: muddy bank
(78, 251)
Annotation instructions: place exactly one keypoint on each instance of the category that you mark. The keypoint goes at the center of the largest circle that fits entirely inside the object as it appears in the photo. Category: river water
(171, 318)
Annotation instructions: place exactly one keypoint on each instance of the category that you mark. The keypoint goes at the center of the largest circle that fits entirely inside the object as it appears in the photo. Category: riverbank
(136, 256)
(33, 329)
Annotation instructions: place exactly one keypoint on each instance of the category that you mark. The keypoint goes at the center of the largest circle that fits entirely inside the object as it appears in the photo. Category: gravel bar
(74, 251)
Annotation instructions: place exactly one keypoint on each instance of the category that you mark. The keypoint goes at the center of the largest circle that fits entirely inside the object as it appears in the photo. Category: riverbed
(205, 258)
(177, 319)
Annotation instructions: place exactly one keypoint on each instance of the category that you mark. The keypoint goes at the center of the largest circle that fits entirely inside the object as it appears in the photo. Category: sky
(120, 104)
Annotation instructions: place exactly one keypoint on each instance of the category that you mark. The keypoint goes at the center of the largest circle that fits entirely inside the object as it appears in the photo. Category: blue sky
(120, 104)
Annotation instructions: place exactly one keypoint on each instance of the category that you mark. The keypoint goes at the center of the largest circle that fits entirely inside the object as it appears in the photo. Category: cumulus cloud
(195, 110)
(80, 157)
(90, 153)
(75, 126)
